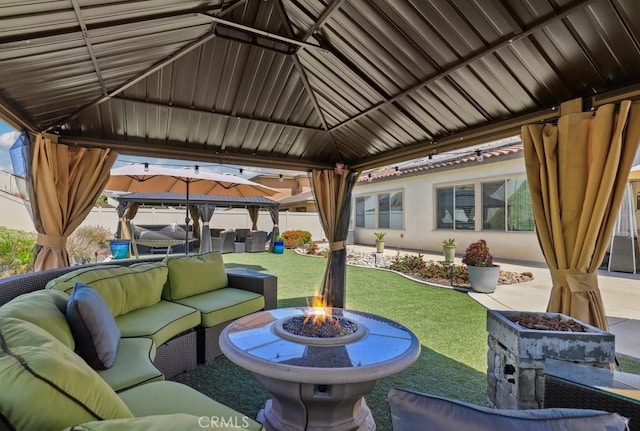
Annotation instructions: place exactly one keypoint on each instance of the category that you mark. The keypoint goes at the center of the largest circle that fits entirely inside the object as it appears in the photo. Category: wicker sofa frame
(181, 353)
(588, 393)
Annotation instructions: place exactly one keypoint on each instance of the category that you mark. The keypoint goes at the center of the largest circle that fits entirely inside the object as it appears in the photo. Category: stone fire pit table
(318, 383)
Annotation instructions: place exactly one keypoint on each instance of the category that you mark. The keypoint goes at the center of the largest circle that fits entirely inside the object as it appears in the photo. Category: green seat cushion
(223, 305)
(124, 288)
(45, 385)
(171, 397)
(160, 322)
(194, 274)
(43, 308)
(133, 365)
(175, 422)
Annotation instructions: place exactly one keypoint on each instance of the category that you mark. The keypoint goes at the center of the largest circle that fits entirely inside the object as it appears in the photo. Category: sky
(8, 136)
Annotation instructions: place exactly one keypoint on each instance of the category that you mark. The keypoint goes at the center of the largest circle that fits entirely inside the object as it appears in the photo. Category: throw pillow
(45, 386)
(411, 411)
(194, 274)
(93, 327)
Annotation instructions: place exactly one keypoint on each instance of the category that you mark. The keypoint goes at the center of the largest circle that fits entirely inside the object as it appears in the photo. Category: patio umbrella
(143, 177)
(577, 173)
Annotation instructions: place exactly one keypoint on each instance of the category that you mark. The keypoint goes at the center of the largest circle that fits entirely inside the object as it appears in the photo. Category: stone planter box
(516, 355)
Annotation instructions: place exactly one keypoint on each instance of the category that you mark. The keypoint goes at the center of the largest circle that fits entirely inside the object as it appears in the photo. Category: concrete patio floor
(620, 293)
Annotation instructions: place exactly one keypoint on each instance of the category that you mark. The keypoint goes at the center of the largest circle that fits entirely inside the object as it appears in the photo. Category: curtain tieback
(574, 279)
(205, 223)
(51, 241)
(337, 245)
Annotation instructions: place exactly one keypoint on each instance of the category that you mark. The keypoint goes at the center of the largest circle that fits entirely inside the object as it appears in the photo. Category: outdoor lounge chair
(242, 234)
(224, 244)
(255, 242)
(164, 238)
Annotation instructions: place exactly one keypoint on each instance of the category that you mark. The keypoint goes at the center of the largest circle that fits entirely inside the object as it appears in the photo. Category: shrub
(477, 254)
(296, 238)
(88, 244)
(17, 251)
(408, 264)
(380, 235)
(95, 233)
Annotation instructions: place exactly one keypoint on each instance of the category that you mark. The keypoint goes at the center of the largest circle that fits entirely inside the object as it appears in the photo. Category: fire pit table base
(310, 407)
(318, 383)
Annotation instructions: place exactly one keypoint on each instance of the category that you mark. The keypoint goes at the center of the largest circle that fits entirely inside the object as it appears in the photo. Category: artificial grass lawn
(449, 325)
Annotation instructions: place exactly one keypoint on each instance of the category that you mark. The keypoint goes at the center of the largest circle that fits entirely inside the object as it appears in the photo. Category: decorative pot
(484, 279)
(278, 247)
(449, 253)
(119, 248)
(379, 246)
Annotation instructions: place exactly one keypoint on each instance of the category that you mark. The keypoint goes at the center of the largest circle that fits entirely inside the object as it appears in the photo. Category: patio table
(318, 384)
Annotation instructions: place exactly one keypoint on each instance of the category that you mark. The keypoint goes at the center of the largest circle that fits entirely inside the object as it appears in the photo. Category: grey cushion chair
(224, 244)
(255, 242)
(242, 234)
(411, 411)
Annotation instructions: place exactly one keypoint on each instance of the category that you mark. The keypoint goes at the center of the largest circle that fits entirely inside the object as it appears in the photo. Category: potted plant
(119, 248)
(380, 241)
(449, 249)
(483, 274)
(278, 245)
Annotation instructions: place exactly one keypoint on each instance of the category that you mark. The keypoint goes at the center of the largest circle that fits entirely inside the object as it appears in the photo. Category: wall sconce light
(479, 157)
(397, 171)
(240, 171)
(369, 177)
(146, 167)
(281, 178)
(196, 169)
(339, 168)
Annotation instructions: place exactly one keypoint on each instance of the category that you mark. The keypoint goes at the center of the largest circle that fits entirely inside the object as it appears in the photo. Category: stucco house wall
(419, 210)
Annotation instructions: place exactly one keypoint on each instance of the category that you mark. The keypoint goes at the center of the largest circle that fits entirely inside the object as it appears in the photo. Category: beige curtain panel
(333, 199)
(66, 183)
(577, 173)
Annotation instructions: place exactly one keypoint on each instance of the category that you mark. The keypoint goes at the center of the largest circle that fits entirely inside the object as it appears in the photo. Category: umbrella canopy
(139, 177)
(142, 177)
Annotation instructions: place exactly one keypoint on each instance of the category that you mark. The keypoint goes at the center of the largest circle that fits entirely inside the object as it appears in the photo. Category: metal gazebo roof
(178, 199)
(307, 83)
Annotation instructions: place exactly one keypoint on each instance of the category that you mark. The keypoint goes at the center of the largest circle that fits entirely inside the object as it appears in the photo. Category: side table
(238, 247)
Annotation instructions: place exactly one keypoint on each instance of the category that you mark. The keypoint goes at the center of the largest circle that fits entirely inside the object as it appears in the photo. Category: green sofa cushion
(124, 288)
(133, 365)
(160, 322)
(194, 274)
(223, 305)
(175, 422)
(50, 315)
(45, 385)
(171, 397)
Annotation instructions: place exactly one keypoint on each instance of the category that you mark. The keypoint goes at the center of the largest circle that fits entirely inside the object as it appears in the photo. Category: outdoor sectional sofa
(158, 309)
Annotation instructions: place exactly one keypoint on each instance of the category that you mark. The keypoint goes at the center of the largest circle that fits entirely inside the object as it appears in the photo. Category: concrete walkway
(620, 293)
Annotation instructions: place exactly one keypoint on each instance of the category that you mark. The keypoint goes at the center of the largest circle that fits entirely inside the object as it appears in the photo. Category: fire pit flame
(319, 312)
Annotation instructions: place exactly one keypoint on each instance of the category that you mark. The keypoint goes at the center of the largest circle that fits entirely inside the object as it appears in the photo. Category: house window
(390, 213)
(506, 206)
(365, 211)
(455, 207)
(387, 215)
